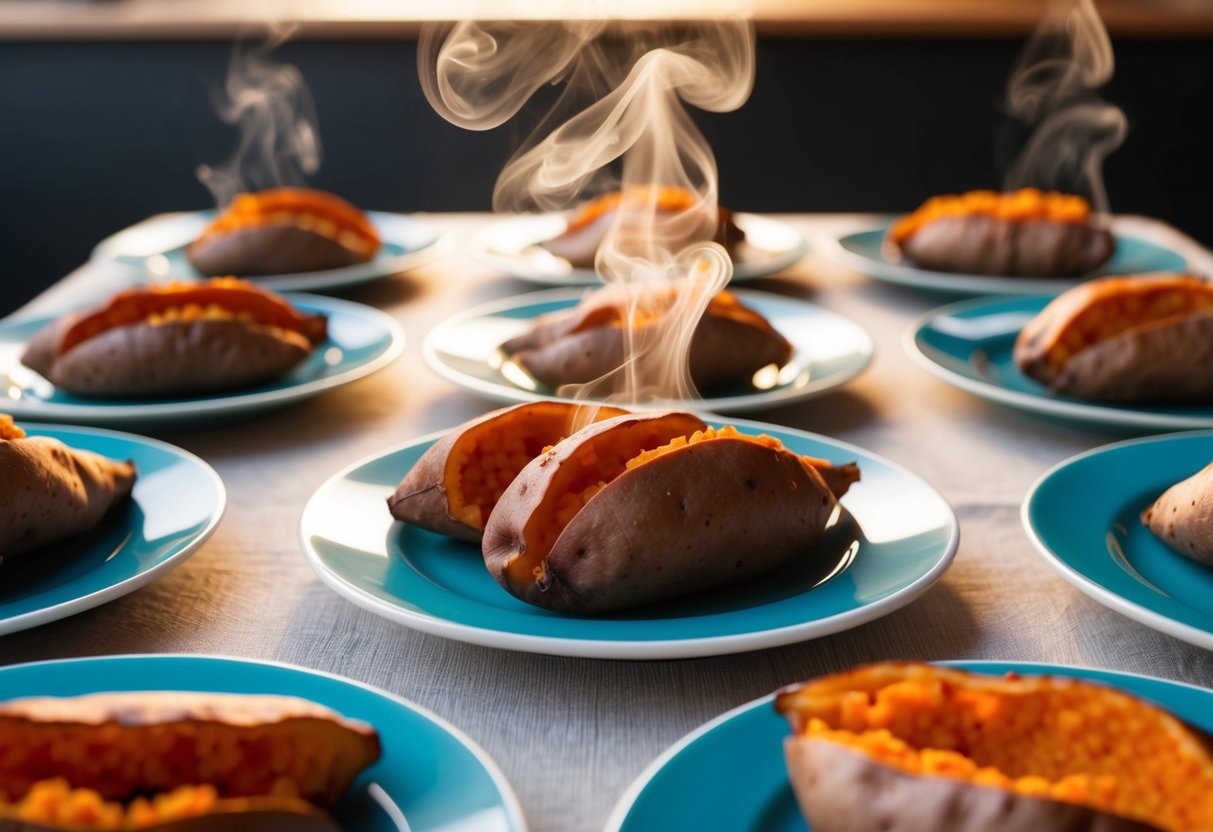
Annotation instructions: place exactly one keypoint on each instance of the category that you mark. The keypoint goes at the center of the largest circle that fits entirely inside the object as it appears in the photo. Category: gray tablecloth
(571, 734)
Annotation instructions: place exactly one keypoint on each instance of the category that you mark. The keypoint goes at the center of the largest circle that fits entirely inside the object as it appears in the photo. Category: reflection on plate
(156, 248)
(156, 530)
(430, 772)
(730, 774)
(829, 350)
(513, 246)
(865, 252)
(969, 345)
(1084, 517)
(360, 341)
(895, 539)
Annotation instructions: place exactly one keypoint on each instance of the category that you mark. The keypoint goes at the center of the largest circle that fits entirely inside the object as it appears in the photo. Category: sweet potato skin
(842, 790)
(167, 359)
(268, 250)
(701, 516)
(1182, 517)
(983, 244)
(49, 491)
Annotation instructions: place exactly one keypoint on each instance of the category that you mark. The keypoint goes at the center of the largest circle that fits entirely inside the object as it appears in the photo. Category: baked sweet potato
(1025, 233)
(175, 339)
(1183, 516)
(176, 762)
(284, 231)
(578, 345)
(914, 748)
(49, 491)
(640, 508)
(588, 226)
(456, 483)
(1125, 339)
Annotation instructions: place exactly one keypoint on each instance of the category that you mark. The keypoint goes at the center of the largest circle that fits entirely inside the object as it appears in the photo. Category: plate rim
(619, 811)
(584, 277)
(1089, 587)
(1074, 411)
(439, 244)
(509, 798)
(506, 393)
(955, 282)
(66, 609)
(238, 402)
(678, 648)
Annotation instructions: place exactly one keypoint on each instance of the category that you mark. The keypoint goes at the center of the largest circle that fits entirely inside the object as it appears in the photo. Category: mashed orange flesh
(1074, 743)
(317, 211)
(218, 297)
(8, 430)
(1018, 206)
(55, 802)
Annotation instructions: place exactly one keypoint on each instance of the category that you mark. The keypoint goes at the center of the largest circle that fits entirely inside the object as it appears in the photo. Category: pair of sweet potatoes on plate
(584, 510)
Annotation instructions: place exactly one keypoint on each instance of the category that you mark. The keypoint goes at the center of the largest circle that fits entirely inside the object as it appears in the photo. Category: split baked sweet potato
(1025, 233)
(731, 342)
(914, 748)
(175, 339)
(49, 492)
(1183, 516)
(176, 762)
(588, 226)
(455, 484)
(644, 507)
(1145, 338)
(284, 231)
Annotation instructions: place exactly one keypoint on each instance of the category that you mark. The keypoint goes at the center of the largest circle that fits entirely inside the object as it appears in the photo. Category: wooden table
(571, 734)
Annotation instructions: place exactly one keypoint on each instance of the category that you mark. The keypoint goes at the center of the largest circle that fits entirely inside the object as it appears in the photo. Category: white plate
(894, 540)
(360, 341)
(512, 245)
(829, 350)
(156, 249)
(134, 544)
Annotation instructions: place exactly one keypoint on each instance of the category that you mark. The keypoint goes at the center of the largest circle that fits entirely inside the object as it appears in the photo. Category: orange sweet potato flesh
(646, 507)
(213, 755)
(912, 748)
(456, 483)
(1139, 338)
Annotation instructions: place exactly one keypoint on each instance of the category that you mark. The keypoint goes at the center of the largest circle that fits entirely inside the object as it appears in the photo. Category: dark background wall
(95, 136)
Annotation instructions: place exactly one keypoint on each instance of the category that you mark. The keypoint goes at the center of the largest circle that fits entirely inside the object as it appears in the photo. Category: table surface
(571, 734)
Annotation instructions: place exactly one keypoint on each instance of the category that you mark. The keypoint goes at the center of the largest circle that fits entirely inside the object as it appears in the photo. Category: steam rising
(626, 86)
(1052, 87)
(279, 143)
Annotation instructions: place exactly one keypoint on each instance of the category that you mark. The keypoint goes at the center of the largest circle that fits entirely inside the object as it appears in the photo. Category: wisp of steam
(621, 121)
(1052, 87)
(279, 143)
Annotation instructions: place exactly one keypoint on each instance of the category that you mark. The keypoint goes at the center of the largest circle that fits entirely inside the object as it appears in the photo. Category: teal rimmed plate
(155, 250)
(828, 351)
(360, 341)
(970, 345)
(895, 538)
(1084, 518)
(156, 530)
(431, 774)
(730, 774)
(865, 252)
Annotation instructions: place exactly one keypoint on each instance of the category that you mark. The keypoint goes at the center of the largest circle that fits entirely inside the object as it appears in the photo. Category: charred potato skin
(697, 517)
(983, 244)
(830, 782)
(1182, 517)
(268, 250)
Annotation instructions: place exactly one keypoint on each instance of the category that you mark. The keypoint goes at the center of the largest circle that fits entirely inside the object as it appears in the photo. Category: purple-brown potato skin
(268, 250)
(580, 246)
(843, 790)
(982, 244)
(1183, 516)
(1161, 362)
(166, 359)
(49, 491)
(701, 516)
